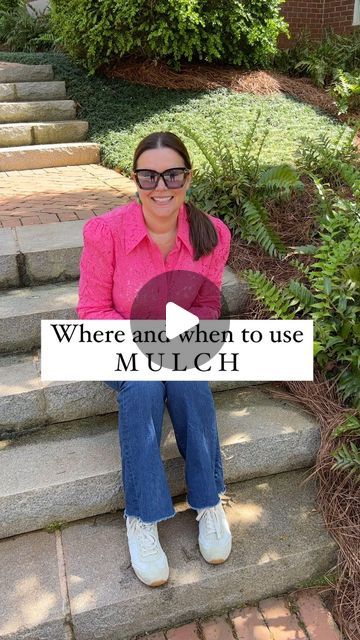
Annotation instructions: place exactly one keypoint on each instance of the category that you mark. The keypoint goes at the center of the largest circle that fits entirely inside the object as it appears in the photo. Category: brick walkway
(303, 617)
(39, 196)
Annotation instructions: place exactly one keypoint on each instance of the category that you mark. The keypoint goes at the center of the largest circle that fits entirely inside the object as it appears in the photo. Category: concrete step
(48, 155)
(17, 134)
(15, 72)
(21, 310)
(71, 470)
(36, 254)
(28, 91)
(27, 403)
(48, 110)
(78, 581)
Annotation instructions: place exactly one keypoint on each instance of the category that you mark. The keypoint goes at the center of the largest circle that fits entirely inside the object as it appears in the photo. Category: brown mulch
(338, 493)
(202, 77)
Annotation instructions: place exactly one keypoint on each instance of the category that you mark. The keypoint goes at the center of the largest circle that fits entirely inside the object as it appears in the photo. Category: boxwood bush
(231, 31)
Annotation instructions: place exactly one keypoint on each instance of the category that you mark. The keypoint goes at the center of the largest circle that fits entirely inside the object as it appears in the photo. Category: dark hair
(203, 235)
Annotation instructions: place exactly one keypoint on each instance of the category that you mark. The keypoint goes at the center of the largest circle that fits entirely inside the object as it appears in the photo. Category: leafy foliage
(321, 60)
(331, 161)
(346, 90)
(235, 185)
(231, 31)
(328, 290)
(24, 31)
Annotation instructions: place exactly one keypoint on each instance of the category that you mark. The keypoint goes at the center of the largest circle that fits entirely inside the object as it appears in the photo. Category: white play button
(178, 320)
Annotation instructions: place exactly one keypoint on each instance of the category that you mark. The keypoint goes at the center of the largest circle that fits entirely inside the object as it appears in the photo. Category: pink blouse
(119, 258)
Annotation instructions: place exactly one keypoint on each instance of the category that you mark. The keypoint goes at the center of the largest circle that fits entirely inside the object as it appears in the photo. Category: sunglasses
(173, 178)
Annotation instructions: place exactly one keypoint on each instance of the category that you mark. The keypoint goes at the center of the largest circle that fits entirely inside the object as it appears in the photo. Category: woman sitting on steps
(158, 233)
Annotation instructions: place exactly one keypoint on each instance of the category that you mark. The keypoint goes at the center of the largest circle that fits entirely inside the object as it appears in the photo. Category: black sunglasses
(173, 178)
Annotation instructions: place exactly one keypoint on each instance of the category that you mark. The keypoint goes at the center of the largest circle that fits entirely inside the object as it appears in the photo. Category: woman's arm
(207, 305)
(97, 266)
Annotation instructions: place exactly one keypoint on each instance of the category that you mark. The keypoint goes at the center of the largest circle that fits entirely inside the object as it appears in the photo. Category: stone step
(15, 72)
(21, 310)
(48, 155)
(36, 254)
(49, 110)
(71, 470)
(29, 91)
(78, 582)
(18, 134)
(27, 403)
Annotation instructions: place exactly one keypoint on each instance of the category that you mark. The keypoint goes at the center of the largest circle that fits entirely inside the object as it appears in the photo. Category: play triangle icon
(178, 320)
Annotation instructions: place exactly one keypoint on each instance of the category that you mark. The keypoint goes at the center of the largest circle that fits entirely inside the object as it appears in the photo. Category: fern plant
(346, 90)
(328, 289)
(24, 31)
(321, 60)
(330, 297)
(331, 161)
(236, 186)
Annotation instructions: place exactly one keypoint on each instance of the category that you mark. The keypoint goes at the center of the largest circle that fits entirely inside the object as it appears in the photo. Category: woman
(123, 249)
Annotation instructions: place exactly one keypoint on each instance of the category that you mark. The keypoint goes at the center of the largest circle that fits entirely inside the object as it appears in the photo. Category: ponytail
(203, 235)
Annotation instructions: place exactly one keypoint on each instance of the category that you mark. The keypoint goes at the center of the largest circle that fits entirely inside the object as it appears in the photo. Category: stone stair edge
(32, 91)
(22, 309)
(17, 134)
(72, 469)
(17, 72)
(28, 247)
(283, 545)
(43, 156)
(26, 402)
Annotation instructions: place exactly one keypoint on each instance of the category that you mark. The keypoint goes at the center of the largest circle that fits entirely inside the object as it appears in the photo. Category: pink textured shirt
(119, 257)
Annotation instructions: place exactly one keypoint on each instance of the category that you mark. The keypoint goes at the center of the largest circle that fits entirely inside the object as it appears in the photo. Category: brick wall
(316, 16)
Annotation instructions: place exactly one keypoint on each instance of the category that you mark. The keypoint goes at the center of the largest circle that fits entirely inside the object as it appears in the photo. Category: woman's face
(162, 201)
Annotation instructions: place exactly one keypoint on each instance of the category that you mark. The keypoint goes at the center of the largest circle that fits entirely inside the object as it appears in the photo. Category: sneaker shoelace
(212, 521)
(146, 537)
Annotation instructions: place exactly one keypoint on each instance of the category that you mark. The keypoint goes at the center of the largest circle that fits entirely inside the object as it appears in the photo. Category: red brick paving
(283, 625)
(318, 620)
(249, 624)
(271, 619)
(59, 194)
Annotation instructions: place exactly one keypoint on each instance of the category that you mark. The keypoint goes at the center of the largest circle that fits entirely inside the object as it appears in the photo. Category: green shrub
(22, 31)
(243, 33)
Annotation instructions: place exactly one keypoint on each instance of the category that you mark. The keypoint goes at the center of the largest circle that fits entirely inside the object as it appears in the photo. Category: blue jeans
(192, 412)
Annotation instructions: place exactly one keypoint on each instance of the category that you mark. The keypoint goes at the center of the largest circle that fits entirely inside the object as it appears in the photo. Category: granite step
(41, 110)
(78, 582)
(48, 253)
(15, 72)
(21, 134)
(28, 404)
(29, 91)
(21, 310)
(44, 156)
(72, 470)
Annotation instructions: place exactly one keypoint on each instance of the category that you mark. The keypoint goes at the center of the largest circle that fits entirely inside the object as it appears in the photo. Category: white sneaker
(214, 534)
(148, 559)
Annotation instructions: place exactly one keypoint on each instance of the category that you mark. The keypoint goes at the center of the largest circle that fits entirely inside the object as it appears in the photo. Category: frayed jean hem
(210, 505)
(133, 515)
